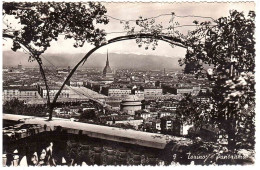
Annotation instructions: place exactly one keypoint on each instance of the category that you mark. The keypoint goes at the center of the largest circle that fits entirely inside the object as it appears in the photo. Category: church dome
(131, 104)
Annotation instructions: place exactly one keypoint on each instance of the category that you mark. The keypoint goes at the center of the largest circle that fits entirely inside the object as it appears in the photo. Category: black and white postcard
(128, 83)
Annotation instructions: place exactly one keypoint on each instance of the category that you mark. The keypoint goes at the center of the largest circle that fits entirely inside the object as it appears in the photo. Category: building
(10, 93)
(25, 93)
(168, 104)
(76, 83)
(164, 113)
(143, 114)
(139, 94)
(119, 92)
(115, 105)
(152, 92)
(184, 90)
(65, 93)
(69, 110)
(20, 66)
(188, 90)
(107, 71)
(131, 104)
(172, 126)
(156, 124)
(121, 119)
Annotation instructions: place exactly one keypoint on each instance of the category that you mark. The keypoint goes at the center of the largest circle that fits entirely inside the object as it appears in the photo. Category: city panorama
(128, 84)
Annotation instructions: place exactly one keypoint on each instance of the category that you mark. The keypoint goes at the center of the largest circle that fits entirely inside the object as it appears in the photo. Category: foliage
(189, 111)
(229, 47)
(18, 107)
(42, 22)
(88, 114)
(156, 30)
(124, 126)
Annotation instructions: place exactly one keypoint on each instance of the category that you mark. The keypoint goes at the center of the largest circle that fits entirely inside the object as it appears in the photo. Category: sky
(130, 11)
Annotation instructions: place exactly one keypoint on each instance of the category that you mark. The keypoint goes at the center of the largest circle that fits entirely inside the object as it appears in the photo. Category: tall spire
(107, 59)
(107, 70)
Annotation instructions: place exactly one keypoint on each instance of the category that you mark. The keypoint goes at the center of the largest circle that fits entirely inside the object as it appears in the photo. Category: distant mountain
(116, 60)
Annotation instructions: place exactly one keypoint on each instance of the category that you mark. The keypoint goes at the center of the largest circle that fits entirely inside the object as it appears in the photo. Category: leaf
(196, 22)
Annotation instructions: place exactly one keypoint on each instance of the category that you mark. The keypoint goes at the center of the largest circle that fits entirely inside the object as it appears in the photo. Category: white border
(256, 166)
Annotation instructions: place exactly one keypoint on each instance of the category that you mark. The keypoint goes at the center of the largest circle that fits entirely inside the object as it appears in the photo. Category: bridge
(152, 140)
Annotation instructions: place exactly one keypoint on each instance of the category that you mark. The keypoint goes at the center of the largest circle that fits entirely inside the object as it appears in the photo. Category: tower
(20, 66)
(107, 72)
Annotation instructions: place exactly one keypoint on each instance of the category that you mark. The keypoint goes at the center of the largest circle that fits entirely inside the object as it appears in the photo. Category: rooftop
(20, 88)
(131, 98)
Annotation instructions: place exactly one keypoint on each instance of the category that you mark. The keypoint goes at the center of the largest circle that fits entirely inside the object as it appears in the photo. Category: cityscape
(57, 113)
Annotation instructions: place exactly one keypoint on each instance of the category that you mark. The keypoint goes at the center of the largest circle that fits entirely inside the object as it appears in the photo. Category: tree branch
(37, 58)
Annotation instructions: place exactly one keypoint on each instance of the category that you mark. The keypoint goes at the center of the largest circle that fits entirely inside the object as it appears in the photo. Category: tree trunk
(51, 108)
(49, 105)
(231, 129)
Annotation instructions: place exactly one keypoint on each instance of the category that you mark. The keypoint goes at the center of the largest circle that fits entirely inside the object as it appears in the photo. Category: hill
(116, 60)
